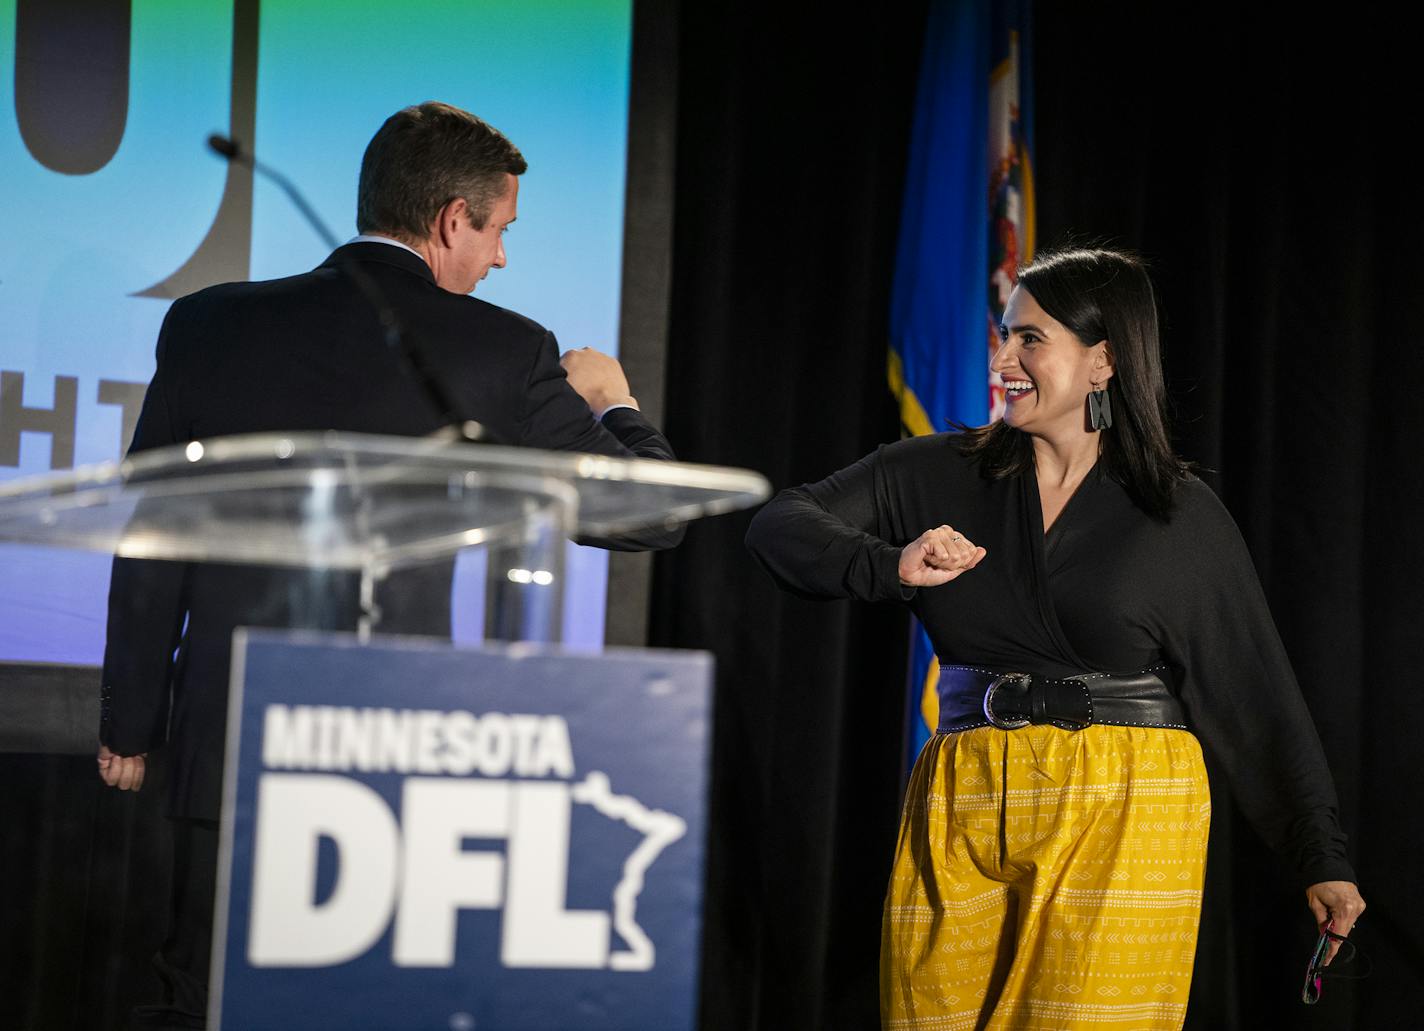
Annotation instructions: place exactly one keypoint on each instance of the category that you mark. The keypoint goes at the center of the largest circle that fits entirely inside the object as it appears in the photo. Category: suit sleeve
(638, 435)
(827, 539)
(642, 439)
(557, 418)
(147, 602)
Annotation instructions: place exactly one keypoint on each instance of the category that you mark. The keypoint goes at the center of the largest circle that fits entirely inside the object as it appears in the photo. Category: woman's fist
(937, 556)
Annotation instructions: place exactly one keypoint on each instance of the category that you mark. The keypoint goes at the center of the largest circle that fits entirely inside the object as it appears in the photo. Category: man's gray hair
(422, 158)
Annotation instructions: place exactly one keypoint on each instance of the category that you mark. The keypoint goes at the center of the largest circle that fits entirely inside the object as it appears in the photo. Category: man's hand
(1336, 905)
(598, 378)
(937, 557)
(124, 772)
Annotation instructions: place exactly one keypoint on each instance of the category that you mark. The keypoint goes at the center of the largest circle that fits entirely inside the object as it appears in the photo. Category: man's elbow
(652, 538)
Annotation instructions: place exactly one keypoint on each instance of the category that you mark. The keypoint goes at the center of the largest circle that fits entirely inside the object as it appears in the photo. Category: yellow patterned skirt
(1047, 879)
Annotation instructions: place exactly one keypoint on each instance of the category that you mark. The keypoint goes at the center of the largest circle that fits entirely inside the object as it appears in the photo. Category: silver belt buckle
(995, 721)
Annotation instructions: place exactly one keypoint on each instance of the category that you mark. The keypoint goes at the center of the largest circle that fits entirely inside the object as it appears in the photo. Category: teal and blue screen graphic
(113, 205)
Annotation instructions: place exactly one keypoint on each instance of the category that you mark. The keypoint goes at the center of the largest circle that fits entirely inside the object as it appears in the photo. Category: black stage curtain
(84, 883)
(791, 149)
(1257, 164)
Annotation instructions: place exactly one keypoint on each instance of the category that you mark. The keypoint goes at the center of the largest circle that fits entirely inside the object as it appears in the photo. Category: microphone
(224, 146)
(455, 428)
(230, 149)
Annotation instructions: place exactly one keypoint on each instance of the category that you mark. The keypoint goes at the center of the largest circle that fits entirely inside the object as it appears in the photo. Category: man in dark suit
(438, 189)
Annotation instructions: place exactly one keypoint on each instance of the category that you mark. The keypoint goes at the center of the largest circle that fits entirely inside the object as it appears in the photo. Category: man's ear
(451, 219)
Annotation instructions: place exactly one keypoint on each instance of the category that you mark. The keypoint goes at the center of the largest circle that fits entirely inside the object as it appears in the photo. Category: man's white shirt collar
(371, 238)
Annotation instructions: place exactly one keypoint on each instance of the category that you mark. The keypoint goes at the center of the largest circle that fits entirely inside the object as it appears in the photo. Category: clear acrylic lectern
(354, 512)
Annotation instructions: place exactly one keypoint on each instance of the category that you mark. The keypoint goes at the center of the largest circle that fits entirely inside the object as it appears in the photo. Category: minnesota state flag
(965, 226)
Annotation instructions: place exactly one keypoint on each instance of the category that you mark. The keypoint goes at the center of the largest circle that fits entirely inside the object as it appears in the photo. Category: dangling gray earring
(1099, 409)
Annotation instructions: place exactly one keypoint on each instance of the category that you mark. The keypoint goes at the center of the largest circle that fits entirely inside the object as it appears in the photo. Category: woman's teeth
(1017, 386)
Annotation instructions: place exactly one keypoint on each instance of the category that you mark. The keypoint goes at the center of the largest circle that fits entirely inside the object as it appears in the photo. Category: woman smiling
(1096, 615)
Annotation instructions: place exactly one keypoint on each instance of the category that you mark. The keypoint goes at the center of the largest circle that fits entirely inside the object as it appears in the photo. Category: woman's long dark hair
(1102, 295)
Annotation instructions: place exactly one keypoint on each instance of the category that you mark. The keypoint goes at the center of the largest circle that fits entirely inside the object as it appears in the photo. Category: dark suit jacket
(308, 353)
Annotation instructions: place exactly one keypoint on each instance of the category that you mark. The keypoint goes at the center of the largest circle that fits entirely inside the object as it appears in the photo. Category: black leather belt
(971, 697)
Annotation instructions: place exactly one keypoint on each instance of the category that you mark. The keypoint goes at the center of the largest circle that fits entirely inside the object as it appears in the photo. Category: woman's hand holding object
(1336, 905)
(937, 556)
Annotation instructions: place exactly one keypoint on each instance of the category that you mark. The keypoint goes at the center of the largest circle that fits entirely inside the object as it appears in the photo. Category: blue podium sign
(422, 836)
